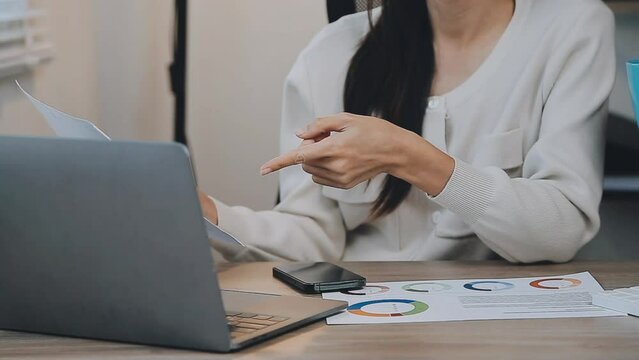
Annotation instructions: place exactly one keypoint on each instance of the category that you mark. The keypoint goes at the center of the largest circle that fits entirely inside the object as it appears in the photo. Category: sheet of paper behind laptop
(214, 232)
(65, 125)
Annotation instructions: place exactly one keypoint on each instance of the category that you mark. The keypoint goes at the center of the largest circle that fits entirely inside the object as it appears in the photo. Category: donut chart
(488, 285)
(426, 287)
(358, 309)
(555, 283)
(367, 290)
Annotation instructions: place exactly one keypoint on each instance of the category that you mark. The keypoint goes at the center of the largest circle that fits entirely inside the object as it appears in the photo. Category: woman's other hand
(208, 207)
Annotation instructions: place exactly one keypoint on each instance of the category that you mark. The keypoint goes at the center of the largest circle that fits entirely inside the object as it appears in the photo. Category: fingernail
(299, 132)
(265, 171)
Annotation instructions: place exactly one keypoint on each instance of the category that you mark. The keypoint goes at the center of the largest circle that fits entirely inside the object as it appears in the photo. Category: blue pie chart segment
(489, 285)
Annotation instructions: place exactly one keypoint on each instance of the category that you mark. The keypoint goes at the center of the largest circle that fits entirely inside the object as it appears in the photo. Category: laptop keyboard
(247, 323)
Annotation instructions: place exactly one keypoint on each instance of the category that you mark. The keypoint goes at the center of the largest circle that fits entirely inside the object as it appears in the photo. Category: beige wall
(240, 53)
(134, 50)
(69, 81)
(111, 68)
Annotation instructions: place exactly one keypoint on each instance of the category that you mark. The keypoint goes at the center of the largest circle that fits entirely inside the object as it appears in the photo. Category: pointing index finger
(285, 160)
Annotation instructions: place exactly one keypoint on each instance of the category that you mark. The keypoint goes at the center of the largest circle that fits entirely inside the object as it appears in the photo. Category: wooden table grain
(579, 339)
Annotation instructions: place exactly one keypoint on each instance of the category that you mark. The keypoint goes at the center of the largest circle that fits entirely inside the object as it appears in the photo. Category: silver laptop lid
(106, 240)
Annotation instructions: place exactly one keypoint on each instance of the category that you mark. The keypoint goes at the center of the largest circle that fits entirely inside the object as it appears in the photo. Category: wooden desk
(578, 339)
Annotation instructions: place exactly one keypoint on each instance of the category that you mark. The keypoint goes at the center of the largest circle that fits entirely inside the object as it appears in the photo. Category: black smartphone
(318, 277)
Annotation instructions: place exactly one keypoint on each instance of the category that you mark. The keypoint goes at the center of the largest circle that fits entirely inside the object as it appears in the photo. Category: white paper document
(65, 125)
(562, 296)
(214, 232)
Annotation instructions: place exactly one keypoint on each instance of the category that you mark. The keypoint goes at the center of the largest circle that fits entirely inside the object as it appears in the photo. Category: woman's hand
(345, 149)
(208, 207)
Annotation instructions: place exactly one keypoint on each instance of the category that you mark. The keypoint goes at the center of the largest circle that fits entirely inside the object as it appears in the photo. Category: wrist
(209, 210)
(421, 164)
(400, 159)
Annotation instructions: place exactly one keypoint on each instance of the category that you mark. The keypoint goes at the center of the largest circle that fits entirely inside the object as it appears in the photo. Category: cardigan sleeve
(305, 226)
(552, 210)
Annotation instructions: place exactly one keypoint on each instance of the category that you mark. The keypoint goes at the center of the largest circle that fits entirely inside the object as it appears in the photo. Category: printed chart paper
(562, 296)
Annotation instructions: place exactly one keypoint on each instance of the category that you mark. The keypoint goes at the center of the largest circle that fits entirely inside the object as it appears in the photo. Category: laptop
(105, 240)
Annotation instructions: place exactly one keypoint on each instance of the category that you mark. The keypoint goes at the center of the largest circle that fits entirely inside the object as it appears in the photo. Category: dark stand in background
(178, 70)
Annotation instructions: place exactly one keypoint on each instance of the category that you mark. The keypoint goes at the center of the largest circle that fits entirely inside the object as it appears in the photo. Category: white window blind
(24, 41)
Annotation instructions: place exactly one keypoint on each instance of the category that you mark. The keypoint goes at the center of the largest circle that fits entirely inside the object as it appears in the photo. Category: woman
(479, 130)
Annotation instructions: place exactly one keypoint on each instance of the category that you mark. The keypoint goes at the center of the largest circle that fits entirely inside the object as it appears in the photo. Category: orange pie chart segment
(555, 283)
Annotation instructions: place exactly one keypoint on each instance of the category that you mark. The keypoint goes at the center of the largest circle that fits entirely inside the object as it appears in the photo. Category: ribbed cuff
(468, 193)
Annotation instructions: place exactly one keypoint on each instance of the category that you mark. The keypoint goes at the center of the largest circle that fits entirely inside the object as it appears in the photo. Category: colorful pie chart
(488, 285)
(367, 290)
(388, 308)
(555, 283)
(426, 287)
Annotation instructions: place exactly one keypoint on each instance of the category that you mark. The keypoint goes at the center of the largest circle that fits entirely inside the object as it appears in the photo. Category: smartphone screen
(314, 277)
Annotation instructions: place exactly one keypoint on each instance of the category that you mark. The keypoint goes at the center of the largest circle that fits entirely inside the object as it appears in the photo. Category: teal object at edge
(632, 67)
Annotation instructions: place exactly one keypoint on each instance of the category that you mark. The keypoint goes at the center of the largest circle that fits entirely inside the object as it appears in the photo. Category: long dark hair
(390, 76)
